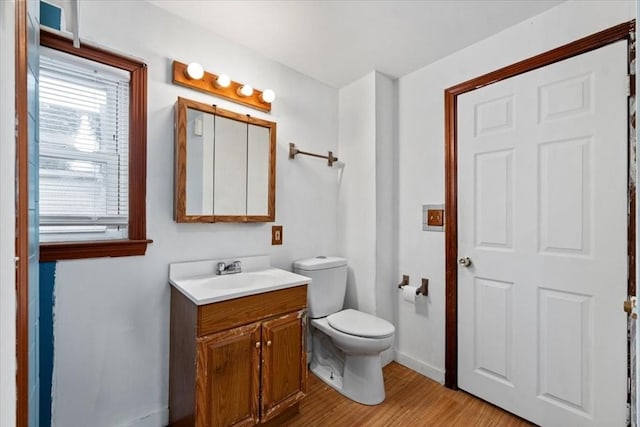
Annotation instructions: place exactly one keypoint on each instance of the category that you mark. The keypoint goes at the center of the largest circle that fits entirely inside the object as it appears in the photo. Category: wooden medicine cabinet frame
(181, 165)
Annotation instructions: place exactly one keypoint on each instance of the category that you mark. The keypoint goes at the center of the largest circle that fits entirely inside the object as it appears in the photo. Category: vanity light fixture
(223, 81)
(245, 90)
(195, 71)
(195, 77)
(268, 95)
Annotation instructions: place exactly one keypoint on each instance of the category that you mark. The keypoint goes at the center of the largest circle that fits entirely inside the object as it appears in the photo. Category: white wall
(367, 211)
(7, 217)
(420, 338)
(386, 185)
(112, 315)
(357, 206)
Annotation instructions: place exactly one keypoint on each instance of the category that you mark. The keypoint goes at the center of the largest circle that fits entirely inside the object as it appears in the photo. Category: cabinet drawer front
(228, 314)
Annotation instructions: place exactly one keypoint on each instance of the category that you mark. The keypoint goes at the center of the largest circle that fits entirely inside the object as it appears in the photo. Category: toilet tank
(325, 294)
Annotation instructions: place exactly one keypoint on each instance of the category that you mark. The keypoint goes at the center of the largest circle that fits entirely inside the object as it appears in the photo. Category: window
(92, 136)
(84, 149)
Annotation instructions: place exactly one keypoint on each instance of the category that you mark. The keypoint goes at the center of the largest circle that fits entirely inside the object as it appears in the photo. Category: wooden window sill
(55, 251)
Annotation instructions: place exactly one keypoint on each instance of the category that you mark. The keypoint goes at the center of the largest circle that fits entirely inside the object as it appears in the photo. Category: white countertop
(198, 282)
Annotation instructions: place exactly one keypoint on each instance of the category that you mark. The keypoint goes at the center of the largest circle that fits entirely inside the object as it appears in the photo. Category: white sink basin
(208, 288)
(250, 280)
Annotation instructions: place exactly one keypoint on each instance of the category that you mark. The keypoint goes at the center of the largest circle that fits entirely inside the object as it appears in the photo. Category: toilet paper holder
(405, 281)
(422, 290)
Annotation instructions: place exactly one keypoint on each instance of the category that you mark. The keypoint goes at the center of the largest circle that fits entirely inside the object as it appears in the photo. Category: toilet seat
(360, 324)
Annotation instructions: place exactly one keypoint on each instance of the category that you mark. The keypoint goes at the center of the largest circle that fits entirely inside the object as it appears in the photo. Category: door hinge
(628, 85)
(628, 307)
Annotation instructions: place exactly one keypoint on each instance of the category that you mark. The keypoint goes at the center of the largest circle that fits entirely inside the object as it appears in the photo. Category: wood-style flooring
(412, 400)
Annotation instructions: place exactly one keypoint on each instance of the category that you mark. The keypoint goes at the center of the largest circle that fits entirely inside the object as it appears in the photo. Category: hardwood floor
(412, 400)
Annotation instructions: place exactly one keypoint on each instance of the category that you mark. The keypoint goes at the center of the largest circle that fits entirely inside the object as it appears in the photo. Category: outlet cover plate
(433, 217)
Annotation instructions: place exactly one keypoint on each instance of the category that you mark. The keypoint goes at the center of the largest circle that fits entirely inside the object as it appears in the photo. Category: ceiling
(338, 42)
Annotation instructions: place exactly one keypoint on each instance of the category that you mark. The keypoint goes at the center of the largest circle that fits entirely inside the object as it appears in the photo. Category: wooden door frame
(619, 32)
(22, 216)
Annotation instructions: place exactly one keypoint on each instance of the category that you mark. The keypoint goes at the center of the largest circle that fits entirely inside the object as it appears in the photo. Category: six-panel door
(542, 197)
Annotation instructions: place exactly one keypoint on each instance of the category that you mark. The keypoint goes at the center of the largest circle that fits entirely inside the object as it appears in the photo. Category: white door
(542, 216)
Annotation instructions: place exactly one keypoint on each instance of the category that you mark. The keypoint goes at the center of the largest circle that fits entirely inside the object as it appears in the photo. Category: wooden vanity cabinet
(239, 362)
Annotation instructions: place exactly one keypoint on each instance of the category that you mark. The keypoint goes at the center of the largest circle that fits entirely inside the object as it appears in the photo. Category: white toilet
(346, 344)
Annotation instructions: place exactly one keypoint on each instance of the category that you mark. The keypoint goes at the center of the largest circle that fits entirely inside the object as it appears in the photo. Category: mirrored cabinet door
(230, 168)
(225, 165)
(258, 170)
(200, 172)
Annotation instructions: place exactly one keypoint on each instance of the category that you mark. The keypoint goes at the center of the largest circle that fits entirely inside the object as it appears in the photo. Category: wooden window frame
(136, 243)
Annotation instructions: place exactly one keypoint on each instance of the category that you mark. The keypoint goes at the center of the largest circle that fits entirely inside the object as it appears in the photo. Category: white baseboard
(158, 418)
(423, 368)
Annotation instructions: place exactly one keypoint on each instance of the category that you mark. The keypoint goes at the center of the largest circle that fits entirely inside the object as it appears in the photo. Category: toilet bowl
(360, 378)
(356, 332)
(346, 344)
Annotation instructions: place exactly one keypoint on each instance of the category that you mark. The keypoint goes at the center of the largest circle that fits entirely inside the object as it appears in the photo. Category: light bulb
(195, 71)
(223, 80)
(268, 96)
(245, 90)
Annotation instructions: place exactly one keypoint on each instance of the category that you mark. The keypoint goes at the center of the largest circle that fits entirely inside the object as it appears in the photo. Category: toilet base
(327, 375)
(361, 380)
(354, 371)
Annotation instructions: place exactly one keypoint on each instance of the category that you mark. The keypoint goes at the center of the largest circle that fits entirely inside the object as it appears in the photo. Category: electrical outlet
(276, 235)
(435, 217)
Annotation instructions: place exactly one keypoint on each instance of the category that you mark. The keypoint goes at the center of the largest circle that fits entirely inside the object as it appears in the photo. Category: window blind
(84, 149)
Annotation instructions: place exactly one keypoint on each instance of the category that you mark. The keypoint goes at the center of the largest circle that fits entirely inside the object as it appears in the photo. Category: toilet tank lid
(360, 324)
(319, 263)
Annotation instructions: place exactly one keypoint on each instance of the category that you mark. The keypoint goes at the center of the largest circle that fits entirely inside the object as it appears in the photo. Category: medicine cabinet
(225, 165)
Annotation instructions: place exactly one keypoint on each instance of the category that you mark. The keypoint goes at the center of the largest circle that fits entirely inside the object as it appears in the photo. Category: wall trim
(22, 217)
(7, 216)
(421, 367)
(619, 32)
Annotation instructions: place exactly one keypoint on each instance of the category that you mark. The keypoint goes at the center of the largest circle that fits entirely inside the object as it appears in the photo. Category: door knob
(465, 261)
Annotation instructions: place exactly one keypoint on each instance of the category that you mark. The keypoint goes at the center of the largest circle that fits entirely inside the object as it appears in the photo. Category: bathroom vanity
(237, 357)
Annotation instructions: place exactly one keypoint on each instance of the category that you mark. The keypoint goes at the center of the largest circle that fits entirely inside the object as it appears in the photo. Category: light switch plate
(433, 217)
(276, 235)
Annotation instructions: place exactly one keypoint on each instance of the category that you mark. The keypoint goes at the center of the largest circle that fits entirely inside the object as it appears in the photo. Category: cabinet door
(284, 363)
(228, 375)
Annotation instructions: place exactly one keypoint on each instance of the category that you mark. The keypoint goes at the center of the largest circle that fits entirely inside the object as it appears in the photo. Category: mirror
(225, 165)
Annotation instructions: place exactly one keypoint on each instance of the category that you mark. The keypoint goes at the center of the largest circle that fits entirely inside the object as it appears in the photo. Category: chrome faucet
(231, 268)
